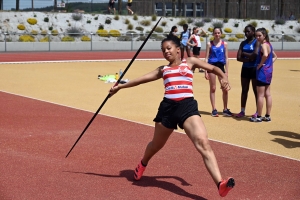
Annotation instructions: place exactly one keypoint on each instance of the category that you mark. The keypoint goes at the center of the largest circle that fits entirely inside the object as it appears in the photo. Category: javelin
(118, 81)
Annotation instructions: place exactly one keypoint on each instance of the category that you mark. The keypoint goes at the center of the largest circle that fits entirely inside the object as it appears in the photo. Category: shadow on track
(151, 181)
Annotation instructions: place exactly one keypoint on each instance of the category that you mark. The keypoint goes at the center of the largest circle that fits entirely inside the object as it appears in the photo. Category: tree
(120, 7)
(55, 5)
(17, 5)
(226, 8)
(32, 7)
(173, 7)
(179, 7)
(1, 4)
(281, 8)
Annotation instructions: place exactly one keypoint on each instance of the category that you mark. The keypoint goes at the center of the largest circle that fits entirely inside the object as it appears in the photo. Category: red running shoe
(139, 170)
(225, 186)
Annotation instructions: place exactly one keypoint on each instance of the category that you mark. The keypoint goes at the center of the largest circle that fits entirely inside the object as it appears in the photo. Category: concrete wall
(113, 46)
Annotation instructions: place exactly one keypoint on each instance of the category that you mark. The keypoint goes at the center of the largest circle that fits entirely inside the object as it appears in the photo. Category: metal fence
(123, 42)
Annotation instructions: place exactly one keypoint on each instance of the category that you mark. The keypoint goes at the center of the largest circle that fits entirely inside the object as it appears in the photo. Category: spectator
(129, 4)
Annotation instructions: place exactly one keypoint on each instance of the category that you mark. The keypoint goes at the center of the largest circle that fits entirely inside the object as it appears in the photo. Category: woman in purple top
(264, 70)
(217, 55)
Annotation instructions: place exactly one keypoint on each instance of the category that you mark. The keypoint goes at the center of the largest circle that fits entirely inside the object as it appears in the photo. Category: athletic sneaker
(227, 113)
(139, 170)
(241, 114)
(225, 186)
(266, 119)
(256, 119)
(214, 113)
(254, 115)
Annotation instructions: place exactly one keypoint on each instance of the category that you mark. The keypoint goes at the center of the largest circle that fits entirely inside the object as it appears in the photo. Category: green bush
(132, 34)
(135, 17)
(225, 20)
(26, 38)
(153, 17)
(210, 29)
(145, 22)
(227, 30)
(76, 16)
(21, 27)
(280, 21)
(159, 29)
(199, 23)
(163, 23)
(253, 23)
(102, 33)
(68, 39)
(233, 39)
(218, 24)
(44, 32)
(34, 32)
(240, 35)
(32, 21)
(288, 38)
(88, 21)
(46, 19)
(206, 20)
(139, 28)
(107, 20)
(291, 27)
(129, 26)
(44, 39)
(114, 33)
(116, 17)
(127, 21)
(190, 20)
(74, 32)
(85, 38)
(182, 22)
(101, 27)
(54, 32)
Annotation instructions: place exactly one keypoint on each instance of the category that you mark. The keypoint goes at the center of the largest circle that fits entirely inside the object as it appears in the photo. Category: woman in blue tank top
(247, 54)
(264, 70)
(217, 55)
(184, 37)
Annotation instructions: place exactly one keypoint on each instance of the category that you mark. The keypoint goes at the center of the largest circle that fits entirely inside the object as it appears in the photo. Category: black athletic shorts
(259, 83)
(248, 72)
(172, 113)
(129, 4)
(196, 51)
(218, 64)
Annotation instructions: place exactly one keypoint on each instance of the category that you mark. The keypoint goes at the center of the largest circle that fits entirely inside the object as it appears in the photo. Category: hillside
(90, 23)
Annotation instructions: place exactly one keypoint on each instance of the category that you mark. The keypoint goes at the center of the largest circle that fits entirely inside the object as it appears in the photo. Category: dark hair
(264, 32)
(172, 30)
(173, 39)
(185, 26)
(194, 28)
(251, 27)
(217, 28)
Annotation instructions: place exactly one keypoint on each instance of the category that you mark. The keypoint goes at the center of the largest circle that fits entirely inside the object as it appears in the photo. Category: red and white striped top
(178, 82)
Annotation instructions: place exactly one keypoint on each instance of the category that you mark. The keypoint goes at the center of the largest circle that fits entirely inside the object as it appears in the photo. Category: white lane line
(111, 60)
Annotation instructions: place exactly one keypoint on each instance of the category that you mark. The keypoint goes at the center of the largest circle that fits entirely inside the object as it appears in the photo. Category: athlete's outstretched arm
(151, 76)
